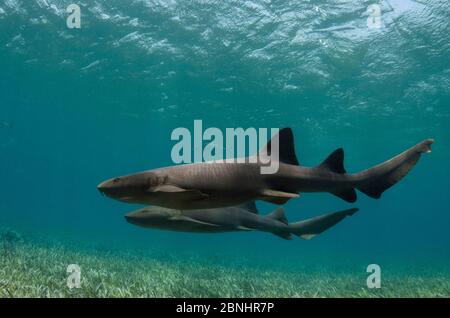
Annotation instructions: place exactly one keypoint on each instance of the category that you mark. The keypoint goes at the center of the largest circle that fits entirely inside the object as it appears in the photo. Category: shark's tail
(374, 181)
(309, 228)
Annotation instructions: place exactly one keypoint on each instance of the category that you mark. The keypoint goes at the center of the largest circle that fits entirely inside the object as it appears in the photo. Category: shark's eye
(116, 180)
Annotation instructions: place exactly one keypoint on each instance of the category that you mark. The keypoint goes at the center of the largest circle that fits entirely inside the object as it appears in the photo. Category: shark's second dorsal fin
(250, 207)
(286, 147)
(334, 162)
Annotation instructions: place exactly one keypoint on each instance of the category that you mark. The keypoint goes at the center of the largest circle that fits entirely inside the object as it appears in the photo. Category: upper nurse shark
(220, 184)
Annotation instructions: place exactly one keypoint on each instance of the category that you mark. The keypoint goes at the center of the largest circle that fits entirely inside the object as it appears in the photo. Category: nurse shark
(209, 185)
(233, 219)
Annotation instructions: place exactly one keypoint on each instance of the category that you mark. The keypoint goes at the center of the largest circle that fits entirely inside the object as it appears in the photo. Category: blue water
(78, 106)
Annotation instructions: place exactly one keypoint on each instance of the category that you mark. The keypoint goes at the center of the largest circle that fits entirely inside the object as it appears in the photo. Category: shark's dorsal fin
(286, 147)
(334, 162)
(278, 214)
(249, 206)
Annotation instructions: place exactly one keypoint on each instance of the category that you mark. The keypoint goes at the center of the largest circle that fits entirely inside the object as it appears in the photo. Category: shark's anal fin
(348, 194)
(180, 192)
(277, 197)
(283, 235)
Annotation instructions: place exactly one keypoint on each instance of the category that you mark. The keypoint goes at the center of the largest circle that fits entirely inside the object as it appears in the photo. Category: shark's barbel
(221, 184)
(232, 219)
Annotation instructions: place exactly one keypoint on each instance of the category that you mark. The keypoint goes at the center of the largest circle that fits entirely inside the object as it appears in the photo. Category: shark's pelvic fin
(277, 197)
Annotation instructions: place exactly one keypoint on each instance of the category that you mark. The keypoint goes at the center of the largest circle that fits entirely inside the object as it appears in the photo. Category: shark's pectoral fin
(277, 197)
(187, 194)
(188, 219)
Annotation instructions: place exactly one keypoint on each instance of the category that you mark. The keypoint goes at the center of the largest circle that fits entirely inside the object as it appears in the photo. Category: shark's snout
(107, 188)
(100, 190)
(102, 187)
(129, 218)
(134, 218)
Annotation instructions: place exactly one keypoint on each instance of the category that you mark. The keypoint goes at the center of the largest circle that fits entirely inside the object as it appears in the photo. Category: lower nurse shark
(231, 219)
(219, 184)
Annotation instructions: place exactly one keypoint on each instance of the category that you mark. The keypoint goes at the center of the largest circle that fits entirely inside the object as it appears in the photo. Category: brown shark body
(213, 185)
(233, 219)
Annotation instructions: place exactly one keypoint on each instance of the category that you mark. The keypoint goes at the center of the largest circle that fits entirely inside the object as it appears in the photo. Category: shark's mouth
(125, 198)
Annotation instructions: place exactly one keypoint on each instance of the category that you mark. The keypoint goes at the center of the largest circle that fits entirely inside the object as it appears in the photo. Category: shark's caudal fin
(307, 229)
(335, 163)
(374, 181)
(279, 215)
(285, 146)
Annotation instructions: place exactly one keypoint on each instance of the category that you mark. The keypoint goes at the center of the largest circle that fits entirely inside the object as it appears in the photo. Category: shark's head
(135, 188)
(156, 217)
